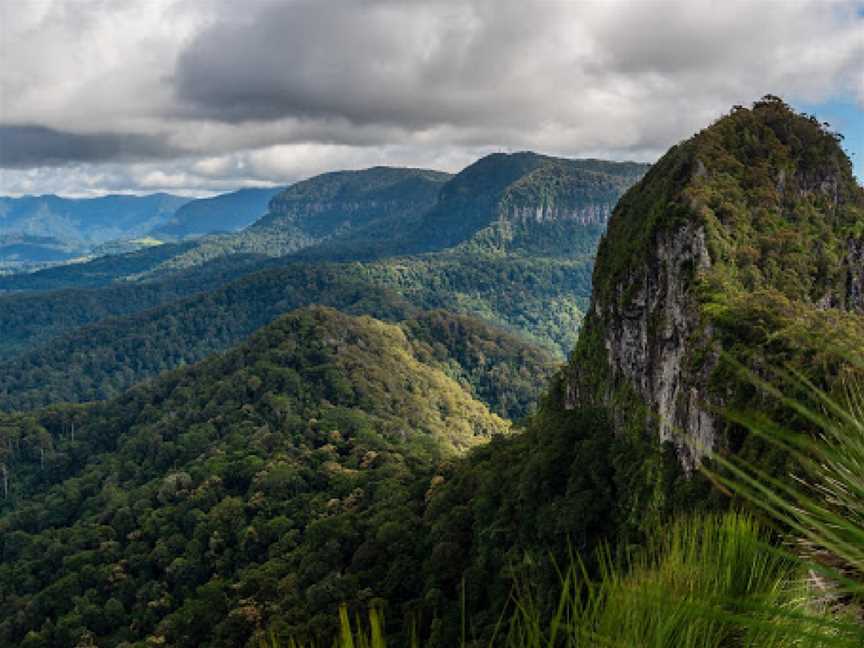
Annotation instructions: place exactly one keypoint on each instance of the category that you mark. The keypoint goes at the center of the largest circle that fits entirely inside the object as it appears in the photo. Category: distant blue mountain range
(228, 212)
(43, 230)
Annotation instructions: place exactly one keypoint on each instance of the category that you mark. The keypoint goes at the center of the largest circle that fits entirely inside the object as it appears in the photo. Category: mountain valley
(448, 400)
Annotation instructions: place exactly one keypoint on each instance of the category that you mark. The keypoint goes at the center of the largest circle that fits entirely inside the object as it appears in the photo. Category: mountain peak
(512, 202)
(743, 242)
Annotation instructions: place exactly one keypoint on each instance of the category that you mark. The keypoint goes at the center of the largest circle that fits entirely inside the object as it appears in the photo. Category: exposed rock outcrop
(708, 255)
(588, 214)
(855, 276)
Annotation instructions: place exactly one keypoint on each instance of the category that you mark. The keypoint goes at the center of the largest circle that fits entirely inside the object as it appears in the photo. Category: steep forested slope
(528, 203)
(740, 247)
(266, 485)
(742, 243)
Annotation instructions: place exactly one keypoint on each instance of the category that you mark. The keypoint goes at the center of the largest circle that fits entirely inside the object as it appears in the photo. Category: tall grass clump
(820, 508)
(718, 580)
(356, 634)
(709, 581)
(704, 582)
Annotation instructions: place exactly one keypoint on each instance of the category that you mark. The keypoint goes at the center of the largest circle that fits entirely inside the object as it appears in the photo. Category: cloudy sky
(198, 96)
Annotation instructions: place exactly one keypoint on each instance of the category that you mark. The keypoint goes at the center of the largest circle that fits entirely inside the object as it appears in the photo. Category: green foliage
(536, 282)
(821, 507)
(285, 476)
(764, 212)
(101, 360)
(498, 366)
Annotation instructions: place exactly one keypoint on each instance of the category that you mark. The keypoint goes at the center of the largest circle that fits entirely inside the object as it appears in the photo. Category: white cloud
(269, 91)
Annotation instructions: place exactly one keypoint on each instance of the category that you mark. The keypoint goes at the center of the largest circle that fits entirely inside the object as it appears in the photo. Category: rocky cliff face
(652, 326)
(590, 214)
(855, 276)
(529, 203)
(746, 242)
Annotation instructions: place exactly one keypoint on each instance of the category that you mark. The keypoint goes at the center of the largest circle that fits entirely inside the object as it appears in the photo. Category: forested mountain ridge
(522, 203)
(262, 473)
(328, 206)
(320, 208)
(742, 243)
(535, 280)
(528, 203)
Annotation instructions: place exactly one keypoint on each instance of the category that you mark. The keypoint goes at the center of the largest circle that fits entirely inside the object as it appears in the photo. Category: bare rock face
(855, 277)
(649, 340)
(589, 214)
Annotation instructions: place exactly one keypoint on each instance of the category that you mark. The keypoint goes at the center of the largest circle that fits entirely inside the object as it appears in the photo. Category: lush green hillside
(742, 245)
(102, 359)
(279, 479)
(540, 299)
(228, 212)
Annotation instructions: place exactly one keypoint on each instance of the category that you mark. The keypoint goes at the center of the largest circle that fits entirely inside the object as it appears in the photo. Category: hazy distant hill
(38, 230)
(87, 220)
(227, 212)
(521, 203)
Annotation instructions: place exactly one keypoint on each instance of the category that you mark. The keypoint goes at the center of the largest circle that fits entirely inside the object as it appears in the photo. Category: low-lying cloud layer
(205, 95)
(29, 146)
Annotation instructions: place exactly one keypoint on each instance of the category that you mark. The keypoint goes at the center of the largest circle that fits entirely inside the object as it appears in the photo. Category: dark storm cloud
(32, 146)
(412, 65)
